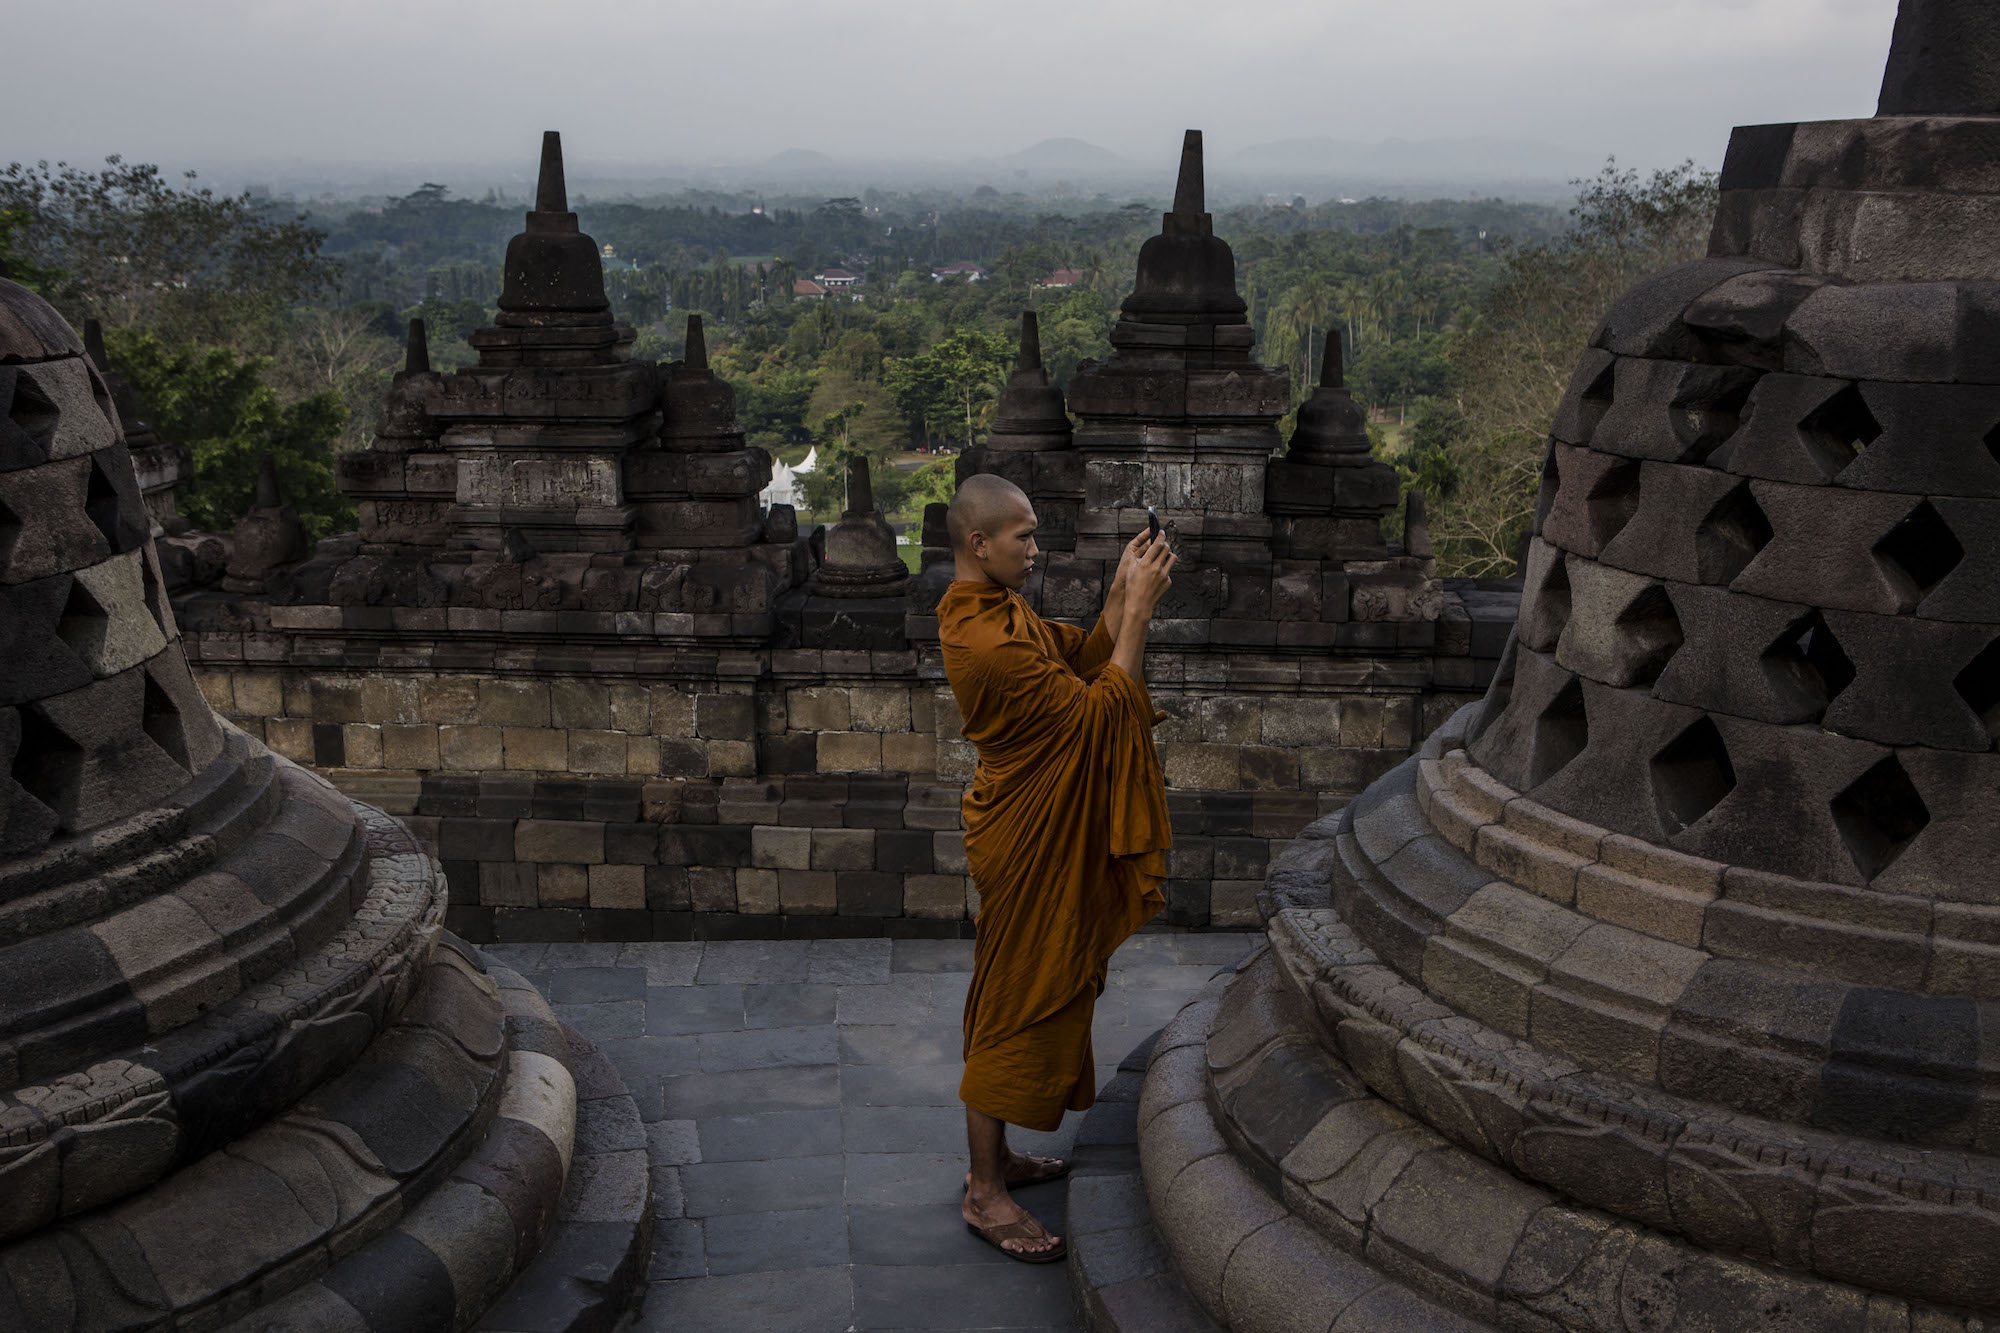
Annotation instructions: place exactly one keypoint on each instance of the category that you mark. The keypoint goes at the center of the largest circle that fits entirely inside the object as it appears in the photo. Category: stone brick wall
(601, 793)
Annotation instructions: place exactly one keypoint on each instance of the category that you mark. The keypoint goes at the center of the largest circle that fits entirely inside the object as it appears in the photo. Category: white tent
(783, 489)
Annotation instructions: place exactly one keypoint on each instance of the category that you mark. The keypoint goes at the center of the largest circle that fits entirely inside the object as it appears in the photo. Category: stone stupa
(1661, 990)
(246, 1080)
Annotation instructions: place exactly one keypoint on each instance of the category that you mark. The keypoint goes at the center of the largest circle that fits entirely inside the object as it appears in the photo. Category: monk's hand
(1149, 578)
(1134, 549)
(1159, 716)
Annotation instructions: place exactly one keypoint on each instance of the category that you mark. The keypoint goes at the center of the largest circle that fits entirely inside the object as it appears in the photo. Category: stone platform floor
(802, 1116)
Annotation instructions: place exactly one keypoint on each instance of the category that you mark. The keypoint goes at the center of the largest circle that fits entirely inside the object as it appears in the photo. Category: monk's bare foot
(1000, 1210)
(1023, 1169)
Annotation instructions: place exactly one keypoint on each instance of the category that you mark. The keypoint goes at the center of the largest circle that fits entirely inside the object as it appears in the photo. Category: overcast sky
(636, 83)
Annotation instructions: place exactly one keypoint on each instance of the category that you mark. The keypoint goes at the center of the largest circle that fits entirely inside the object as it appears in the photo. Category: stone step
(1386, 1182)
(1118, 1265)
(1244, 1258)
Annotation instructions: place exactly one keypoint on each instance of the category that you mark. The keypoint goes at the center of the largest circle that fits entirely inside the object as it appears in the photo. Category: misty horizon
(890, 93)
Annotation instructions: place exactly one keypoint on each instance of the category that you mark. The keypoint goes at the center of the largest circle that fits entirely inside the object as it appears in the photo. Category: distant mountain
(798, 158)
(1468, 159)
(1064, 155)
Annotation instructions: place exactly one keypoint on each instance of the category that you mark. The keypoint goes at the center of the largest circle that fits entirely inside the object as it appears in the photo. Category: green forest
(253, 325)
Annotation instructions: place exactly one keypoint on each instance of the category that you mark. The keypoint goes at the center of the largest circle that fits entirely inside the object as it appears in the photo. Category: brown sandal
(1025, 1229)
(1062, 1167)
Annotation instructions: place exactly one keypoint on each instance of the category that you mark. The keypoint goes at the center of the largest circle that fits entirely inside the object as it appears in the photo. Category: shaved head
(992, 531)
(982, 503)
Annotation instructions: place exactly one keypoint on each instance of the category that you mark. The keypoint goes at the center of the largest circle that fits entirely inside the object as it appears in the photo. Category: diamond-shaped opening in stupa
(101, 503)
(49, 765)
(1612, 500)
(1879, 814)
(161, 718)
(84, 623)
(1691, 774)
(1838, 430)
(1979, 685)
(1648, 635)
(1732, 534)
(1920, 551)
(1806, 666)
(1561, 732)
(33, 410)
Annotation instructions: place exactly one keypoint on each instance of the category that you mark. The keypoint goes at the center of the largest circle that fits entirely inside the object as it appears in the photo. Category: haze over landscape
(1439, 95)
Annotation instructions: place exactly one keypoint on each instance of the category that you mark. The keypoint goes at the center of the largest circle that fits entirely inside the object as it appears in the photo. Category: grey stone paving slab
(1223, 950)
(753, 960)
(676, 1252)
(673, 1142)
(774, 1134)
(900, 1044)
(523, 958)
(787, 1004)
(595, 985)
(905, 1177)
(898, 1234)
(933, 956)
(669, 1199)
(763, 1187)
(961, 1296)
(605, 1022)
(802, 1300)
(768, 1048)
(903, 1128)
(904, 998)
(648, 1059)
(901, 1085)
(850, 962)
(681, 1009)
(666, 962)
(759, 1242)
(557, 956)
(825, 1195)
(749, 1091)
(948, 993)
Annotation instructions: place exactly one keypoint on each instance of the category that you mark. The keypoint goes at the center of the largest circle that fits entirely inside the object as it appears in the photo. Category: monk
(1066, 834)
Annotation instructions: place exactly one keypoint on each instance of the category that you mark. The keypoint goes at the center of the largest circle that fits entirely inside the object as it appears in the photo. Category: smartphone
(1153, 522)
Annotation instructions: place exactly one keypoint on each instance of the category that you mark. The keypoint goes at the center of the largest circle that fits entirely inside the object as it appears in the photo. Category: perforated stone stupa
(1659, 990)
(246, 1081)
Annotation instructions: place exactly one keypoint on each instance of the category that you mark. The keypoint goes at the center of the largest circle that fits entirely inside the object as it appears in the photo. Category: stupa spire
(1943, 60)
(417, 350)
(93, 344)
(1031, 342)
(1332, 366)
(695, 357)
(551, 194)
(1190, 190)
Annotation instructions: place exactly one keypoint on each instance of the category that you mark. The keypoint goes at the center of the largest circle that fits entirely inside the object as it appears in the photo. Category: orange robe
(1066, 835)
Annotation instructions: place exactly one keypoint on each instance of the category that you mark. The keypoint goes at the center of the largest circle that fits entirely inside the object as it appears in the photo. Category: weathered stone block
(617, 886)
(1202, 767)
(843, 849)
(672, 711)
(778, 848)
(363, 742)
(562, 885)
(908, 752)
(807, 892)
(469, 747)
(939, 897)
(536, 749)
(514, 703)
(559, 840)
(712, 888)
(819, 708)
(883, 708)
(580, 704)
(757, 890)
(408, 746)
(732, 759)
(725, 717)
(850, 751)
